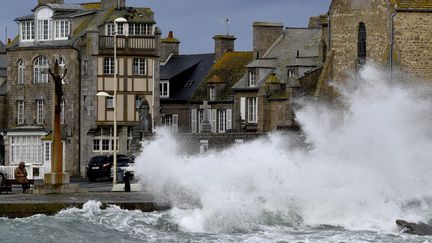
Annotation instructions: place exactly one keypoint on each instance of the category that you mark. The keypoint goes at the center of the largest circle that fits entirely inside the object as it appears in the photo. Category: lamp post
(104, 94)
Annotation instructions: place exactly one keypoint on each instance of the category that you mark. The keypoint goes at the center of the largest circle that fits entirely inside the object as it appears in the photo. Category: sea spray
(366, 160)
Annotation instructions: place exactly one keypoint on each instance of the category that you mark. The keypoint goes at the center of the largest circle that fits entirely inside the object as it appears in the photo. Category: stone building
(80, 38)
(394, 34)
(3, 114)
(264, 94)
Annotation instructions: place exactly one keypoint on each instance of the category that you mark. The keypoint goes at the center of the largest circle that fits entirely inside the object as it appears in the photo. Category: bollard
(127, 179)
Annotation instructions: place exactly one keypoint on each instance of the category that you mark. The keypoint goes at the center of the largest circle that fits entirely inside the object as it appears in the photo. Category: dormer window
(140, 29)
(164, 89)
(292, 72)
(120, 29)
(109, 29)
(212, 93)
(43, 29)
(252, 78)
(62, 29)
(27, 31)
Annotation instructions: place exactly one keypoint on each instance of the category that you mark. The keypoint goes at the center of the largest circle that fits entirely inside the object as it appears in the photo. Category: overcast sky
(195, 22)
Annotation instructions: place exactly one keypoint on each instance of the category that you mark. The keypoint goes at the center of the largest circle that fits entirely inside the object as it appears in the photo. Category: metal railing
(34, 172)
(128, 42)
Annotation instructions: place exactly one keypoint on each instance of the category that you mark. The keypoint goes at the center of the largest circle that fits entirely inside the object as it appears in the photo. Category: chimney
(41, 2)
(169, 45)
(223, 44)
(264, 35)
(106, 4)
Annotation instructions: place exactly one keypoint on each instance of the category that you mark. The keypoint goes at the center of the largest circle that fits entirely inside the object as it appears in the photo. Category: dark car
(100, 166)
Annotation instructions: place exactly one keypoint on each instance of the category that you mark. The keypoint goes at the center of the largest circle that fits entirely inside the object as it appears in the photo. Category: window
(222, 115)
(40, 65)
(292, 73)
(212, 93)
(26, 148)
(40, 111)
(109, 29)
(109, 65)
(62, 114)
(104, 141)
(27, 31)
(243, 109)
(140, 29)
(164, 89)
(20, 112)
(361, 49)
(120, 29)
(252, 78)
(139, 66)
(43, 29)
(48, 151)
(110, 102)
(62, 29)
(252, 110)
(21, 71)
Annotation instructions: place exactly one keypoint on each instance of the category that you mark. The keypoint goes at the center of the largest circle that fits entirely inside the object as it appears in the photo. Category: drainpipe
(392, 43)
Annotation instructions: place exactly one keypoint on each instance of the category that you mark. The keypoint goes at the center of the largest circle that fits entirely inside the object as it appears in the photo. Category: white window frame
(140, 29)
(109, 29)
(44, 28)
(252, 109)
(104, 142)
(222, 121)
(40, 63)
(252, 78)
(20, 112)
(21, 71)
(109, 66)
(212, 93)
(27, 148)
(139, 66)
(61, 29)
(27, 30)
(292, 72)
(40, 114)
(121, 28)
(164, 89)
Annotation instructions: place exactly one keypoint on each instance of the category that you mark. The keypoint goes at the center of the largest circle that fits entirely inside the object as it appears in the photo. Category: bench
(6, 184)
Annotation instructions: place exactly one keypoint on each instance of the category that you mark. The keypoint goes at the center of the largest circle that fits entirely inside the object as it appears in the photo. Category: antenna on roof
(226, 21)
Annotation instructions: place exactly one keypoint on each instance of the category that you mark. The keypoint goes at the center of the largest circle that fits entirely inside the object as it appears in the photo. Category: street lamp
(104, 94)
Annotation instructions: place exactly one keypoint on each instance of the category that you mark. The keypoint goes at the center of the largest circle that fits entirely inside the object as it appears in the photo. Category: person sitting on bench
(21, 176)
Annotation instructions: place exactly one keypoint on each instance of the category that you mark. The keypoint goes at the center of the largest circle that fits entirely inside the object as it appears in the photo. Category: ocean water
(358, 170)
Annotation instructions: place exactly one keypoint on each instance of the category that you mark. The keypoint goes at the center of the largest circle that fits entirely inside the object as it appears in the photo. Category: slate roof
(181, 70)
(94, 19)
(297, 47)
(227, 70)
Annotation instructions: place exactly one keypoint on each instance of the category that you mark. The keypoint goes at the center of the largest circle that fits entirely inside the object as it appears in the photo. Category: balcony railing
(128, 42)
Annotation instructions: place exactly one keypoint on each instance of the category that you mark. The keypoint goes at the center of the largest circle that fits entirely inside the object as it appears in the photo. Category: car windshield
(122, 162)
(97, 161)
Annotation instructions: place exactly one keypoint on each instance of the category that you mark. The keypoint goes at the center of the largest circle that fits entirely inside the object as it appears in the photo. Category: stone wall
(2, 112)
(30, 93)
(413, 44)
(345, 18)
(183, 112)
(264, 35)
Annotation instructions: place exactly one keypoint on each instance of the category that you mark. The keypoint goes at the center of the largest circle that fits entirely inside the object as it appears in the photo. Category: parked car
(100, 166)
(123, 165)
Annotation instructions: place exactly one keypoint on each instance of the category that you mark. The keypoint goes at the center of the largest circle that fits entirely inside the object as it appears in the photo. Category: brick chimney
(169, 45)
(106, 4)
(264, 35)
(41, 2)
(223, 44)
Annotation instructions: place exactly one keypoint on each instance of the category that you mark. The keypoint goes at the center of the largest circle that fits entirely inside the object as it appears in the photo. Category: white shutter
(256, 110)
(213, 120)
(193, 120)
(228, 119)
(175, 123)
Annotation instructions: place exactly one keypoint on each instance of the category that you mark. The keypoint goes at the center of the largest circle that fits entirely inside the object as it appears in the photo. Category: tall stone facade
(81, 38)
(397, 38)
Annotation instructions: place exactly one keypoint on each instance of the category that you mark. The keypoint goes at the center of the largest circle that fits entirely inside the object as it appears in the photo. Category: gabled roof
(185, 74)
(62, 7)
(412, 4)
